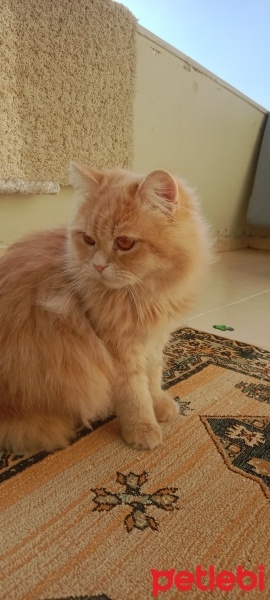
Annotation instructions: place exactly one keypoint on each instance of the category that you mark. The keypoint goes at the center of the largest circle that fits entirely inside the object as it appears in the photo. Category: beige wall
(22, 214)
(195, 125)
(186, 121)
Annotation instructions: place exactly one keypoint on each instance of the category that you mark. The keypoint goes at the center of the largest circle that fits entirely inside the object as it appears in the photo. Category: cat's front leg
(165, 407)
(134, 405)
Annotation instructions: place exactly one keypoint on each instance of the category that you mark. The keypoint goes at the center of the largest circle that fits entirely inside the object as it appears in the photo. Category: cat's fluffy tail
(35, 433)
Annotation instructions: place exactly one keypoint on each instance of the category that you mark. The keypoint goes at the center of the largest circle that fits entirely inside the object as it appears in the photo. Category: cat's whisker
(70, 271)
(72, 294)
(59, 273)
(138, 279)
(53, 258)
(143, 290)
(64, 271)
(141, 283)
(67, 287)
(134, 302)
(51, 277)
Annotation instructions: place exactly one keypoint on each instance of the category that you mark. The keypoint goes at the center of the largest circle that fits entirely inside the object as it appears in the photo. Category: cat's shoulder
(45, 244)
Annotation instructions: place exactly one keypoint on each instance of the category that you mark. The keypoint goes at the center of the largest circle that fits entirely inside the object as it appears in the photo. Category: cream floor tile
(237, 295)
(249, 269)
(237, 275)
(222, 294)
(250, 319)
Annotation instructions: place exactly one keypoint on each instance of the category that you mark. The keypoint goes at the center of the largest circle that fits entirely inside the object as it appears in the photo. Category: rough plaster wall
(66, 86)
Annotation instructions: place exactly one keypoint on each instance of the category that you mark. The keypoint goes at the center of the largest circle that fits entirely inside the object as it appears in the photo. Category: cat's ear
(159, 188)
(84, 179)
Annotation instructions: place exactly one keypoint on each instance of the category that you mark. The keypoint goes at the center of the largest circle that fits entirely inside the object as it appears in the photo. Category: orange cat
(85, 311)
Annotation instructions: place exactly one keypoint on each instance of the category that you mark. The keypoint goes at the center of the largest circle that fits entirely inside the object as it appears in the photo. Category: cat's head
(130, 228)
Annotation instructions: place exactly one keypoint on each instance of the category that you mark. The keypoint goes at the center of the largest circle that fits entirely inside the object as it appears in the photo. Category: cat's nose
(100, 267)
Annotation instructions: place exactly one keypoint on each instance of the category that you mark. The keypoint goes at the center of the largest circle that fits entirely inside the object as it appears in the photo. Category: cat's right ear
(160, 190)
(84, 179)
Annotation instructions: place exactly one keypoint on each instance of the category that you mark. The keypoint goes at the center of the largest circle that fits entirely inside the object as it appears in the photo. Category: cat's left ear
(84, 179)
(159, 188)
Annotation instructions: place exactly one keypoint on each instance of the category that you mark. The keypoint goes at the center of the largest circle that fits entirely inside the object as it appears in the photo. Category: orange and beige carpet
(100, 521)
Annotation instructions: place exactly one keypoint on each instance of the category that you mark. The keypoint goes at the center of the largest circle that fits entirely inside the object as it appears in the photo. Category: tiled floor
(237, 295)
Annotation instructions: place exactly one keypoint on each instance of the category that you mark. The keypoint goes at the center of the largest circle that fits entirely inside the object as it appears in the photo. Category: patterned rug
(99, 520)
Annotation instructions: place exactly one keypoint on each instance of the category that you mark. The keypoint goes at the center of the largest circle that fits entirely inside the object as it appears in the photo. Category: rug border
(230, 466)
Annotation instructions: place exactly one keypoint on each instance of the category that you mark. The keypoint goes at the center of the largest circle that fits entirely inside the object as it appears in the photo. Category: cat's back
(24, 265)
(33, 252)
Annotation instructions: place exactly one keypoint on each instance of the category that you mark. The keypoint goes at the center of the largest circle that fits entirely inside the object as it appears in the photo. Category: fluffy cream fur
(85, 312)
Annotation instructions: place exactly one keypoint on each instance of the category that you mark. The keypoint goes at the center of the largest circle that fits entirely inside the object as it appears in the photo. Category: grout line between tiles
(237, 301)
(207, 312)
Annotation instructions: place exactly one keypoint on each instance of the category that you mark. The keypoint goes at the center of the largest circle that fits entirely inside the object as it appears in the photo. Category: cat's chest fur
(116, 318)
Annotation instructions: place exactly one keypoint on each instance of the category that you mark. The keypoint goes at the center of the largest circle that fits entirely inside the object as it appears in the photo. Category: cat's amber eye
(88, 240)
(124, 243)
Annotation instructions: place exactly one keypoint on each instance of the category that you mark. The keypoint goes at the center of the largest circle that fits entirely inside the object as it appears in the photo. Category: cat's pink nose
(100, 267)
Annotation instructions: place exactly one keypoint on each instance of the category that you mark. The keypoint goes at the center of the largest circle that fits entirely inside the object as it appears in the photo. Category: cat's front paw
(143, 436)
(165, 408)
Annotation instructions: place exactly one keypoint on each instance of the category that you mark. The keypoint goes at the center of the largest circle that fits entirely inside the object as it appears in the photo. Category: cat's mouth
(115, 284)
(110, 281)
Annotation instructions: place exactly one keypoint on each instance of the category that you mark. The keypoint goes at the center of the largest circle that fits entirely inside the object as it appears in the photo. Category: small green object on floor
(223, 328)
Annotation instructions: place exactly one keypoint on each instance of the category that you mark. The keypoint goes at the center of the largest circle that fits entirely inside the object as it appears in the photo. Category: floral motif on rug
(138, 500)
(244, 444)
(184, 406)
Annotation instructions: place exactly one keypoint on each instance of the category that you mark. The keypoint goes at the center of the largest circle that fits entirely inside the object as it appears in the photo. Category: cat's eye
(88, 240)
(124, 243)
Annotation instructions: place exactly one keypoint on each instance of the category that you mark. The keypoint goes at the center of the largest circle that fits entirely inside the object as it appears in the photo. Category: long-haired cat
(85, 311)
